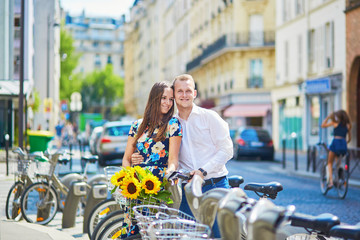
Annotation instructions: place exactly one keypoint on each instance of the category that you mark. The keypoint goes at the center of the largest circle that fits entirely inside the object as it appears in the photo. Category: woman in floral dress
(157, 136)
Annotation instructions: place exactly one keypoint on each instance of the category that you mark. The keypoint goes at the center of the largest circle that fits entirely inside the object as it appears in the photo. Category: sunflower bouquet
(138, 183)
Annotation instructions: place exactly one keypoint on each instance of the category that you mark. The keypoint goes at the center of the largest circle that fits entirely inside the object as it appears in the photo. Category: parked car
(112, 141)
(253, 142)
(94, 139)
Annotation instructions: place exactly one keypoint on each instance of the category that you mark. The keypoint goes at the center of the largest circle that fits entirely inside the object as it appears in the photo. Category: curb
(352, 182)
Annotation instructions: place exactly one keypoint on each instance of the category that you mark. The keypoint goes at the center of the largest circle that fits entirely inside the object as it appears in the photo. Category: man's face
(184, 93)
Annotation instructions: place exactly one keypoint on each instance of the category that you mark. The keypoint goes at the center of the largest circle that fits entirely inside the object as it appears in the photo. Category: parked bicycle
(40, 201)
(24, 177)
(341, 172)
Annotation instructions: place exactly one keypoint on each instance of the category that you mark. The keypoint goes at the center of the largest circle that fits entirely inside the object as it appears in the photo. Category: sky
(101, 8)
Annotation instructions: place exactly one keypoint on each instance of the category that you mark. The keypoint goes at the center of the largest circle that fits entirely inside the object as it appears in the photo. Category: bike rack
(97, 194)
(77, 190)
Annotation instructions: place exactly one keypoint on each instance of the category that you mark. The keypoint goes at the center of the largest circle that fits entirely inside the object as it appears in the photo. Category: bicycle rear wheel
(342, 183)
(13, 200)
(105, 222)
(39, 203)
(323, 178)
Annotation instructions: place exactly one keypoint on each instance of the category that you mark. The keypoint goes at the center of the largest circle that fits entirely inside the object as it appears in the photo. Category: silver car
(112, 141)
(94, 139)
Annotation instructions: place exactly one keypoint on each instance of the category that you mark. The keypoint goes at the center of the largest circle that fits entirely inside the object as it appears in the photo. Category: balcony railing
(240, 40)
(255, 82)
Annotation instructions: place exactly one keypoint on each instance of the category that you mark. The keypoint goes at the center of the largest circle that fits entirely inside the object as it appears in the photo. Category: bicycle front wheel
(39, 203)
(115, 230)
(13, 200)
(323, 178)
(100, 211)
(342, 183)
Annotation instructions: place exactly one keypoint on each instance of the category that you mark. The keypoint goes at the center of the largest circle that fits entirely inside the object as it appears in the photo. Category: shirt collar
(195, 110)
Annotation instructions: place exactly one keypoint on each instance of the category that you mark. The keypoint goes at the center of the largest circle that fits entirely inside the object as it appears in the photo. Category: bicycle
(24, 174)
(40, 201)
(341, 172)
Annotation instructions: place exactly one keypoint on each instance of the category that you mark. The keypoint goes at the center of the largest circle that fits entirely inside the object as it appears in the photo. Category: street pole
(21, 82)
(48, 70)
(7, 153)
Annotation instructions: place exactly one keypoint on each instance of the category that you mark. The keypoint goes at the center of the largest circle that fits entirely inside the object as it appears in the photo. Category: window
(329, 45)
(314, 117)
(109, 60)
(95, 44)
(286, 58)
(299, 7)
(256, 37)
(300, 54)
(311, 49)
(97, 61)
(256, 74)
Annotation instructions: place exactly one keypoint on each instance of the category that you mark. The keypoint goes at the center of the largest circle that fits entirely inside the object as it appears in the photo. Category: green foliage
(101, 87)
(36, 101)
(69, 82)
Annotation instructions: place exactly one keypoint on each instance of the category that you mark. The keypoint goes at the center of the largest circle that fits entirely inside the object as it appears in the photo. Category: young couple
(195, 140)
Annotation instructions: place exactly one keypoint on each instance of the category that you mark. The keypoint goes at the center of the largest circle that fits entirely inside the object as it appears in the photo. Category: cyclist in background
(340, 120)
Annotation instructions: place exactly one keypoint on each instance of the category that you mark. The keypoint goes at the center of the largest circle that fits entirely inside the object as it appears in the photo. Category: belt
(213, 180)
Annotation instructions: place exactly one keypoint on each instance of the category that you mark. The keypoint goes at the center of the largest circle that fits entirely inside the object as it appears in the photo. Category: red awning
(247, 110)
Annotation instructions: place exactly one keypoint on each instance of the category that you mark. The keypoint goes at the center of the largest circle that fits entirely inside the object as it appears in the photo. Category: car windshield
(117, 131)
(255, 135)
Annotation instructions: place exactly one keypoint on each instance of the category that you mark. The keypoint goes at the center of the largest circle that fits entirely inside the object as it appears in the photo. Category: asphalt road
(301, 191)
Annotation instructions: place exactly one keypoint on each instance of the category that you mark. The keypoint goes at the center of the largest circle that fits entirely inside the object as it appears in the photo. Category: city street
(299, 190)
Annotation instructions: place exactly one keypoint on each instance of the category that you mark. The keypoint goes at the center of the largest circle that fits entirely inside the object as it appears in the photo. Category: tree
(69, 82)
(100, 90)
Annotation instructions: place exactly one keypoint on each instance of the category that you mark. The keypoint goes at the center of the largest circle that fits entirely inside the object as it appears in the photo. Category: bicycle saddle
(63, 160)
(235, 180)
(346, 231)
(90, 158)
(268, 189)
(323, 222)
(19, 151)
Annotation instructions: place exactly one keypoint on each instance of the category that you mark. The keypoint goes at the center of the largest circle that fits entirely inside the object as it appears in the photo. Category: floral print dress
(155, 154)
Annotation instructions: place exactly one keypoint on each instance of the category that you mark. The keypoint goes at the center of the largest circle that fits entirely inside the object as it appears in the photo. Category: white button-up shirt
(206, 143)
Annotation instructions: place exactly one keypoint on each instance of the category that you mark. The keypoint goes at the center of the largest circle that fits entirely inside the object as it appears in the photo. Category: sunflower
(140, 171)
(118, 177)
(151, 184)
(130, 188)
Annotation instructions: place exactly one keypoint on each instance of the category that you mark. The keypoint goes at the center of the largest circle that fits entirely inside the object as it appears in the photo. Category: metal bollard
(77, 190)
(7, 137)
(97, 194)
(284, 148)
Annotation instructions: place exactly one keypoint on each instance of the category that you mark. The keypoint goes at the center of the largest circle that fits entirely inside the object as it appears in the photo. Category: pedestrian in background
(59, 132)
(340, 120)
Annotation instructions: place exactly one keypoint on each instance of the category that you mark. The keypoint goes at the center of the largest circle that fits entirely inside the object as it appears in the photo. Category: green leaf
(113, 190)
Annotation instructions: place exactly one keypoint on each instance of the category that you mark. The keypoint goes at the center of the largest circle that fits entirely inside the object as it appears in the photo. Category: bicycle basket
(109, 172)
(146, 214)
(178, 229)
(45, 168)
(23, 167)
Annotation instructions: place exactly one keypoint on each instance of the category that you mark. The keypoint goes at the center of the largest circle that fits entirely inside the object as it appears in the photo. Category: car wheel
(102, 161)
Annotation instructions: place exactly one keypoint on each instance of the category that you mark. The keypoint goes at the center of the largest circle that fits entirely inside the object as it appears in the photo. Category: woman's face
(167, 100)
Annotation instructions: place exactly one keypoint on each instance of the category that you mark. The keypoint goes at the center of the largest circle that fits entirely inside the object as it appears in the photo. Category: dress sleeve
(134, 128)
(174, 128)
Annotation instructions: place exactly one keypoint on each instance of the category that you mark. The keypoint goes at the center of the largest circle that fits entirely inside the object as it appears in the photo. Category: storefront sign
(321, 85)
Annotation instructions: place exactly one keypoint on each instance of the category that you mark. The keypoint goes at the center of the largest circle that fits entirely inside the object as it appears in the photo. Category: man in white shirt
(206, 145)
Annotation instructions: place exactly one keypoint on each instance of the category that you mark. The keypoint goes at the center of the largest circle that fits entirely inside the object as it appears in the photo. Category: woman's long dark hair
(342, 117)
(152, 114)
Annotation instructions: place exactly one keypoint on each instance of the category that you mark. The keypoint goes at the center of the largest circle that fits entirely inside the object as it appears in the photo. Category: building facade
(352, 13)
(310, 69)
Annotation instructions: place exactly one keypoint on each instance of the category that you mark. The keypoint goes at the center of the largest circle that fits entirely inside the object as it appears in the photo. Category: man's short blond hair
(184, 77)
